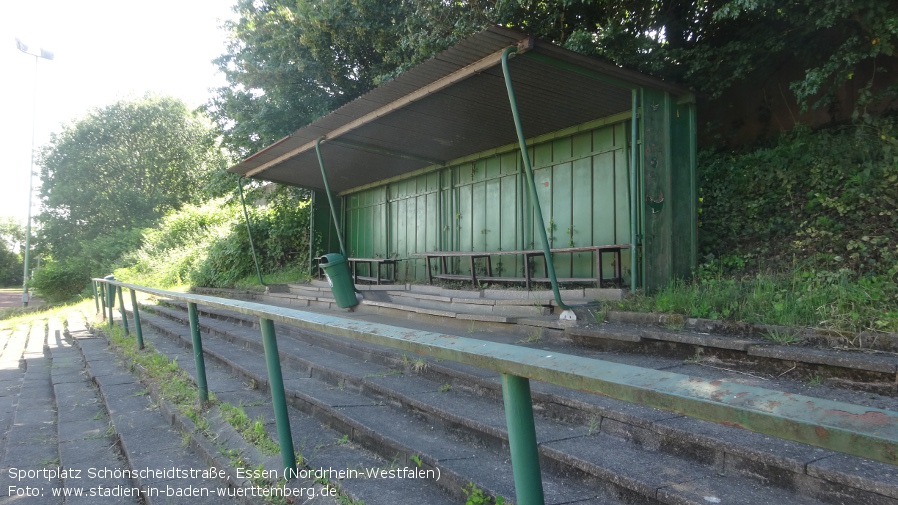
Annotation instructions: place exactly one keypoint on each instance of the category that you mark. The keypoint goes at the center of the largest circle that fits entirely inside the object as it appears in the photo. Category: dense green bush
(10, 268)
(209, 245)
(173, 250)
(58, 282)
(280, 232)
(826, 199)
(801, 232)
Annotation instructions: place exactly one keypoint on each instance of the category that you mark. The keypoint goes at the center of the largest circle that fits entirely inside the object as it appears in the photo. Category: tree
(292, 61)
(12, 236)
(118, 169)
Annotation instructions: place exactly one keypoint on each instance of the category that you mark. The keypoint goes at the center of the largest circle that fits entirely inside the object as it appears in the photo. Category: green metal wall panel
(562, 208)
(604, 210)
(621, 197)
(325, 240)
(581, 222)
(492, 231)
(509, 202)
(480, 209)
(464, 219)
(581, 180)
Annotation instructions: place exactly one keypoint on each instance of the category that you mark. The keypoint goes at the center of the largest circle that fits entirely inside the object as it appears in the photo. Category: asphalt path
(12, 297)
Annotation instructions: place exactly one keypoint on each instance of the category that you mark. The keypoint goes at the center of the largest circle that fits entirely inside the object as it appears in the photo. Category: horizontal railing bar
(853, 429)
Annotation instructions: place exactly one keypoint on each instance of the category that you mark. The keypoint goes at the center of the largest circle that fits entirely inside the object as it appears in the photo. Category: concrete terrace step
(67, 435)
(858, 369)
(60, 428)
(486, 305)
(331, 388)
(321, 445)
(748, 460)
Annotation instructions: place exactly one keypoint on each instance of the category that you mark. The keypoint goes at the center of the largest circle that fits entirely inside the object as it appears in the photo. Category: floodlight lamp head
(38, 52)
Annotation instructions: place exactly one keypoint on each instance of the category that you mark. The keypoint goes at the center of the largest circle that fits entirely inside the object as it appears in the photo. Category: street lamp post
(38, 53)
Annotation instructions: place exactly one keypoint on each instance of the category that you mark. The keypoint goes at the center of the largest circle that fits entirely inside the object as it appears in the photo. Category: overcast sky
(104, 51)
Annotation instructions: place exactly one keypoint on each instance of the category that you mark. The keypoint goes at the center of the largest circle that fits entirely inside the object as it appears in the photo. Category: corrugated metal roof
(448, 107)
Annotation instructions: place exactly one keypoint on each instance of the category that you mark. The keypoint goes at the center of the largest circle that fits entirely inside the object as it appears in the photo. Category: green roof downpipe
(249, 233)
(550, 266)
(633, 190)
(330, 199)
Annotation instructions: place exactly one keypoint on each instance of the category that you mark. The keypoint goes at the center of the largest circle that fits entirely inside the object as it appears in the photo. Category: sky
(104, 51)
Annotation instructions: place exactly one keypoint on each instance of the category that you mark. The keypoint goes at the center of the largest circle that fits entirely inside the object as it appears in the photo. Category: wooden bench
(528, 279)
(375, 272)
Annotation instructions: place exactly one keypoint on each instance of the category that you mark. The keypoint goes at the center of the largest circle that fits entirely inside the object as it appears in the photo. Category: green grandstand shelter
(432, 161)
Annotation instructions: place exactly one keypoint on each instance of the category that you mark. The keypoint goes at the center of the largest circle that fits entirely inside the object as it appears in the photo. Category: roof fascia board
(491, 60)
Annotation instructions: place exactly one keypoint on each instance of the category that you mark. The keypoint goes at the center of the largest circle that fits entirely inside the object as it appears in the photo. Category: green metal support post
(330, 199)
(198, 352)
(278, 397)
(137, 329)
(528, 484)
(550, 266)
(121, 308)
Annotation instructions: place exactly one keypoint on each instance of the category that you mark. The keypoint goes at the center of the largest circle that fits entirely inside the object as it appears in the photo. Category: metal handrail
(866, 432)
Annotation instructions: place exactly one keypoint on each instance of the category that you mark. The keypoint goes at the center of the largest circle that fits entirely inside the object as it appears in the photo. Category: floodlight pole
(47, 55)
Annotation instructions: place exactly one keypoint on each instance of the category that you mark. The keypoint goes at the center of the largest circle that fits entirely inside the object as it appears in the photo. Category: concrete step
(332, 389)
(860, 369)
(706, 448)
(66, 444)
(319, 443)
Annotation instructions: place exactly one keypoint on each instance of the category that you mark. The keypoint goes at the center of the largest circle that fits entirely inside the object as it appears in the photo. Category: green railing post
(528, 485)
(198, 352)
(102, 287)
(110, 302)
(121, 308)
(278, 397)
(96, 298)
(138, 331)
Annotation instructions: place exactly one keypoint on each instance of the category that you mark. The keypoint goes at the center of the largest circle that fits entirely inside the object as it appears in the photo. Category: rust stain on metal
(732, 424)
(873, 418)
(744, 394)
(773, 404)
(716, 383)
(821, 432)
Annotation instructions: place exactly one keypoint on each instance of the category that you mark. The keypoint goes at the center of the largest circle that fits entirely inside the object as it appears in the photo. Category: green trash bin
(336, 269)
